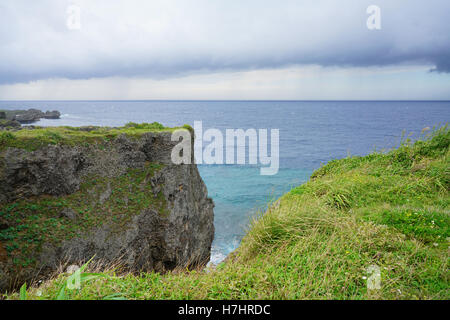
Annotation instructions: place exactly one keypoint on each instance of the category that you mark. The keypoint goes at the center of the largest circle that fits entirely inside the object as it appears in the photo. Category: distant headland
(14, 118)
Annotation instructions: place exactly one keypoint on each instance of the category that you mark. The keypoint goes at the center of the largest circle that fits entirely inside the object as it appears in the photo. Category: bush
(6, 137)
(149, 126)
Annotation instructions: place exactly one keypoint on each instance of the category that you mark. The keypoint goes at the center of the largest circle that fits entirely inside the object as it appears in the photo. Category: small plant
(23, 292)
(6, 137)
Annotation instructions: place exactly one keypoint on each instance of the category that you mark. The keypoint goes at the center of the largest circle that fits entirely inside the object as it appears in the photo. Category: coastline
(388, 210)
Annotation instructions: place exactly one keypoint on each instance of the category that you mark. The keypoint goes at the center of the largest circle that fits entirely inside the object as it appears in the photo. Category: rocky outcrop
(30, 115)
(9, 124)
(122, 201)
(51, 115)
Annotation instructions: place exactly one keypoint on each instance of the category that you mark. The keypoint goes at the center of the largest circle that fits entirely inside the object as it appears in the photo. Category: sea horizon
(231, 100)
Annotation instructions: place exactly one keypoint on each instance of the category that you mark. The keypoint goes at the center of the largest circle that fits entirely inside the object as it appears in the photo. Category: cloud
(290, 83)
(160, 39)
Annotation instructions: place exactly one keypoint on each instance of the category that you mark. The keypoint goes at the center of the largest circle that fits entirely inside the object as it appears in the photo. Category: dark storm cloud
(161, 39)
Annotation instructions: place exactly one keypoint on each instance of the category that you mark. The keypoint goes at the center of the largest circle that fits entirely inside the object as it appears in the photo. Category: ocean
(311, 134)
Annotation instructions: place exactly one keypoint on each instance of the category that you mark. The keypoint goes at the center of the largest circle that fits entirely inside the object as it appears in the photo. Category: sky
(224, 49)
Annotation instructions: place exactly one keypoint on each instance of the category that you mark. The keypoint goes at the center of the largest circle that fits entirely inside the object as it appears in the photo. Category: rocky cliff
(68, 194)
(28, 116)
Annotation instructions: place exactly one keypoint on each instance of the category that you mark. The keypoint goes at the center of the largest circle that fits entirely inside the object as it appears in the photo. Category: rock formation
(119, 199)
(29, 116)
(9, 124)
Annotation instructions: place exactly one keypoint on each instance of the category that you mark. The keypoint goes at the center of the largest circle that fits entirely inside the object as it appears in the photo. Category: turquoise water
(238, 201)
(311, 133)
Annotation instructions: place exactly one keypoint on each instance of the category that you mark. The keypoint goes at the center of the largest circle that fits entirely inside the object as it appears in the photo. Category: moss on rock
(36, 220)
(33, 138)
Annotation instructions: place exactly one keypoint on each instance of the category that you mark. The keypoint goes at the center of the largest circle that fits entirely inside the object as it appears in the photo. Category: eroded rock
(132, 208)
(68, 214)
(29, 116)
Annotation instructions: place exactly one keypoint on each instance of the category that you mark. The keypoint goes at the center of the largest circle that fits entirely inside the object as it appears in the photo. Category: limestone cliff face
(121, 200)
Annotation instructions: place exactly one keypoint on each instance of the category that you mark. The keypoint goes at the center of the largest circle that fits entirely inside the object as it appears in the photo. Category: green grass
(317, 241)
(33, 139)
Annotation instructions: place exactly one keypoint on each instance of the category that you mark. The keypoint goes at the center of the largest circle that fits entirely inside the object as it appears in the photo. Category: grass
(33, 139)
(319, 241)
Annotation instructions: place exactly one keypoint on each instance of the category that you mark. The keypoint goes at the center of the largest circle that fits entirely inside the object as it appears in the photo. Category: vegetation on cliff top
(34, 138)
(389, 210)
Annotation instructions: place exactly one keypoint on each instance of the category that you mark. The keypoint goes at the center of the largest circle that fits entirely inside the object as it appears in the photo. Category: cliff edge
(69, 194)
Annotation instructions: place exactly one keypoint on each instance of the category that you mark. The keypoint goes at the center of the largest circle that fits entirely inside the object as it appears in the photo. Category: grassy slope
(317, 241)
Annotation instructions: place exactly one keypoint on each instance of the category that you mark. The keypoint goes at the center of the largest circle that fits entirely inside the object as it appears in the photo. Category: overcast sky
(224, 49)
